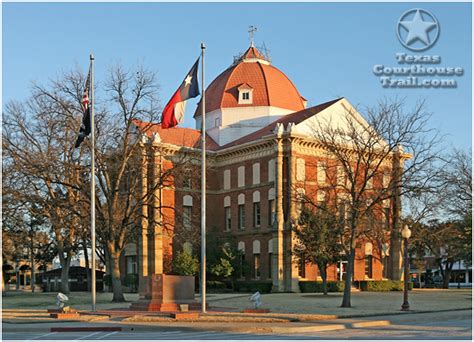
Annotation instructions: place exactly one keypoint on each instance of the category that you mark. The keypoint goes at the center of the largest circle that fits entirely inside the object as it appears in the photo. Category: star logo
(187, 81)
(417, 29)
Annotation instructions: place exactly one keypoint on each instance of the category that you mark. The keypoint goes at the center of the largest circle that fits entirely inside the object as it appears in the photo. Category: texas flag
(173, 113)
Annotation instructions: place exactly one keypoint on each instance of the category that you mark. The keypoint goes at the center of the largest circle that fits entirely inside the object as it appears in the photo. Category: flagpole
(203, 186)
(93, 281)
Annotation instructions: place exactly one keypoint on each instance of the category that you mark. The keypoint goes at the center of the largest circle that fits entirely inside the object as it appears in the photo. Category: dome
(270, 86)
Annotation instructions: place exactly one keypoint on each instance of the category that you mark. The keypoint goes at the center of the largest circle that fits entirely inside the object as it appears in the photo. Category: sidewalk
(287, 309)
(263, 328)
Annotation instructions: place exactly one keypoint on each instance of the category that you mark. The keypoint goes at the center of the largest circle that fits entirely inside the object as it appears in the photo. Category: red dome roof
(270, 86)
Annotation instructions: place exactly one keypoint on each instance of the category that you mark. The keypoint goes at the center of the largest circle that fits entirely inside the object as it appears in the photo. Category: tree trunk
(88, 269)
(447, 275)
(346, 300)
(115, 276)
(32, 261)
(324, 276)
(65, 264)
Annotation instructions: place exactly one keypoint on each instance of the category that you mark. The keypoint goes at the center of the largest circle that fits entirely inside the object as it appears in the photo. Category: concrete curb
(401, 313)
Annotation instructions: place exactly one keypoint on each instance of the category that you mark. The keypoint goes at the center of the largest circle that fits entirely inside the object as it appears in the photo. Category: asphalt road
(436, 326)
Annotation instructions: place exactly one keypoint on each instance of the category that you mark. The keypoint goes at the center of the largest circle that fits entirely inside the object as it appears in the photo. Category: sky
(328, 50)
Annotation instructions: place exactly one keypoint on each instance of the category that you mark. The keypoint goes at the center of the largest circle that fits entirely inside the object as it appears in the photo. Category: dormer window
(245, 94)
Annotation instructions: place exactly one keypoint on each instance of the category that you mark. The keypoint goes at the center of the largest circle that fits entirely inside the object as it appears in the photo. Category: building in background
(261, 155)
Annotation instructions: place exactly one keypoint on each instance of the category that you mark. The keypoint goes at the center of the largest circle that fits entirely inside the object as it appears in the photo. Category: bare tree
(362, 154)
(37, 143)
(132, 95)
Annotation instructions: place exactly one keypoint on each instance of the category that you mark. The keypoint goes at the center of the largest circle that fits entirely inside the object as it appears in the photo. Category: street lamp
(406, 233)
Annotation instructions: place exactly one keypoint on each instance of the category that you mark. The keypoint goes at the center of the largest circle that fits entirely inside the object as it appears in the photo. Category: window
(241, 216)
(241, 249)
(242, 265)
(245, 94)
(241, 176)
(321, 172)
(271, 170)
(131, 264)
(340, 175)
(256, 263)
(228, 219)
(256, 173)
(300, 169)
(256, 214)
(321, 195)
(256, 259)
(187, 182)
(187, 214)
(256, 209)
(271, 212)
(226, 179)
(368, 266)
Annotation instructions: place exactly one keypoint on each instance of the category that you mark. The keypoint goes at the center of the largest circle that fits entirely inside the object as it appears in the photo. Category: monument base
(164, 292)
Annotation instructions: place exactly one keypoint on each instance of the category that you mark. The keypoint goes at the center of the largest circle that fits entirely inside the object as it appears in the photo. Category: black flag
(86, 118)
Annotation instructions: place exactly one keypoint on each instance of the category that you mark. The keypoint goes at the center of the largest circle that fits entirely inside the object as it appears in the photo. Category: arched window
(256, 209)
(187, 211)
(227, 214)
(256, 259)
(241, 211)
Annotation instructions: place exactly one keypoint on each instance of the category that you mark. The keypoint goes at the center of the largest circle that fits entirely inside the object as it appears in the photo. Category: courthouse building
(261, 155)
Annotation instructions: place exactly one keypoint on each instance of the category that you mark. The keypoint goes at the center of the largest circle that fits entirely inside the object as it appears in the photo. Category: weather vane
(252, 29)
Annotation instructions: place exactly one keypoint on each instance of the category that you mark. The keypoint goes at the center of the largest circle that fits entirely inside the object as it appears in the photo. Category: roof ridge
(292, 84)
(266, 82)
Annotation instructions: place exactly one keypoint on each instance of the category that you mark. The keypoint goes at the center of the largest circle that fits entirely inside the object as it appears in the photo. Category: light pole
(406, 233)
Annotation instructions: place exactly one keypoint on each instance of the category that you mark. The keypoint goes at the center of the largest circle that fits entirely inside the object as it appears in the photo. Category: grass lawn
(77, 300)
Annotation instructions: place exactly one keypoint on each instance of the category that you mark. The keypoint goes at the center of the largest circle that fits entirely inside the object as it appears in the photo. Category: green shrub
(383, 285)
(186, 264)
(262, 287)
(317, 286)
(215, 286)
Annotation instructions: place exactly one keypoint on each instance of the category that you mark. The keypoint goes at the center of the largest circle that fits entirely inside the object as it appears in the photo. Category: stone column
(395, 266)
(156, 252)
(143, 233)
(277, 262)
(291, 262)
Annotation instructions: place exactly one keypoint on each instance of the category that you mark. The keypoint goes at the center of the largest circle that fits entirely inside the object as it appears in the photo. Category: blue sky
(327, 50)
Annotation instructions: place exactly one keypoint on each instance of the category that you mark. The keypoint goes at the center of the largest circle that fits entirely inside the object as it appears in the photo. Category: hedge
(215, 286)
(262, 287)
(317, 286)
(383, 285)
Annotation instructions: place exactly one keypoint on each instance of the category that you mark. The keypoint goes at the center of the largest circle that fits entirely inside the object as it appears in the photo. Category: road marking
(41, 336)
(193, 335)
(107, 335)
(86, 336)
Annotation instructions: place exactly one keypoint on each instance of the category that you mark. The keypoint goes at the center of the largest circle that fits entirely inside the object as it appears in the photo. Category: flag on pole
(85, 129)
(173, 113)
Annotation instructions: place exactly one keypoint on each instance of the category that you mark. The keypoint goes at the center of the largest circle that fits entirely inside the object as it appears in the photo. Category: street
(432, 326)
